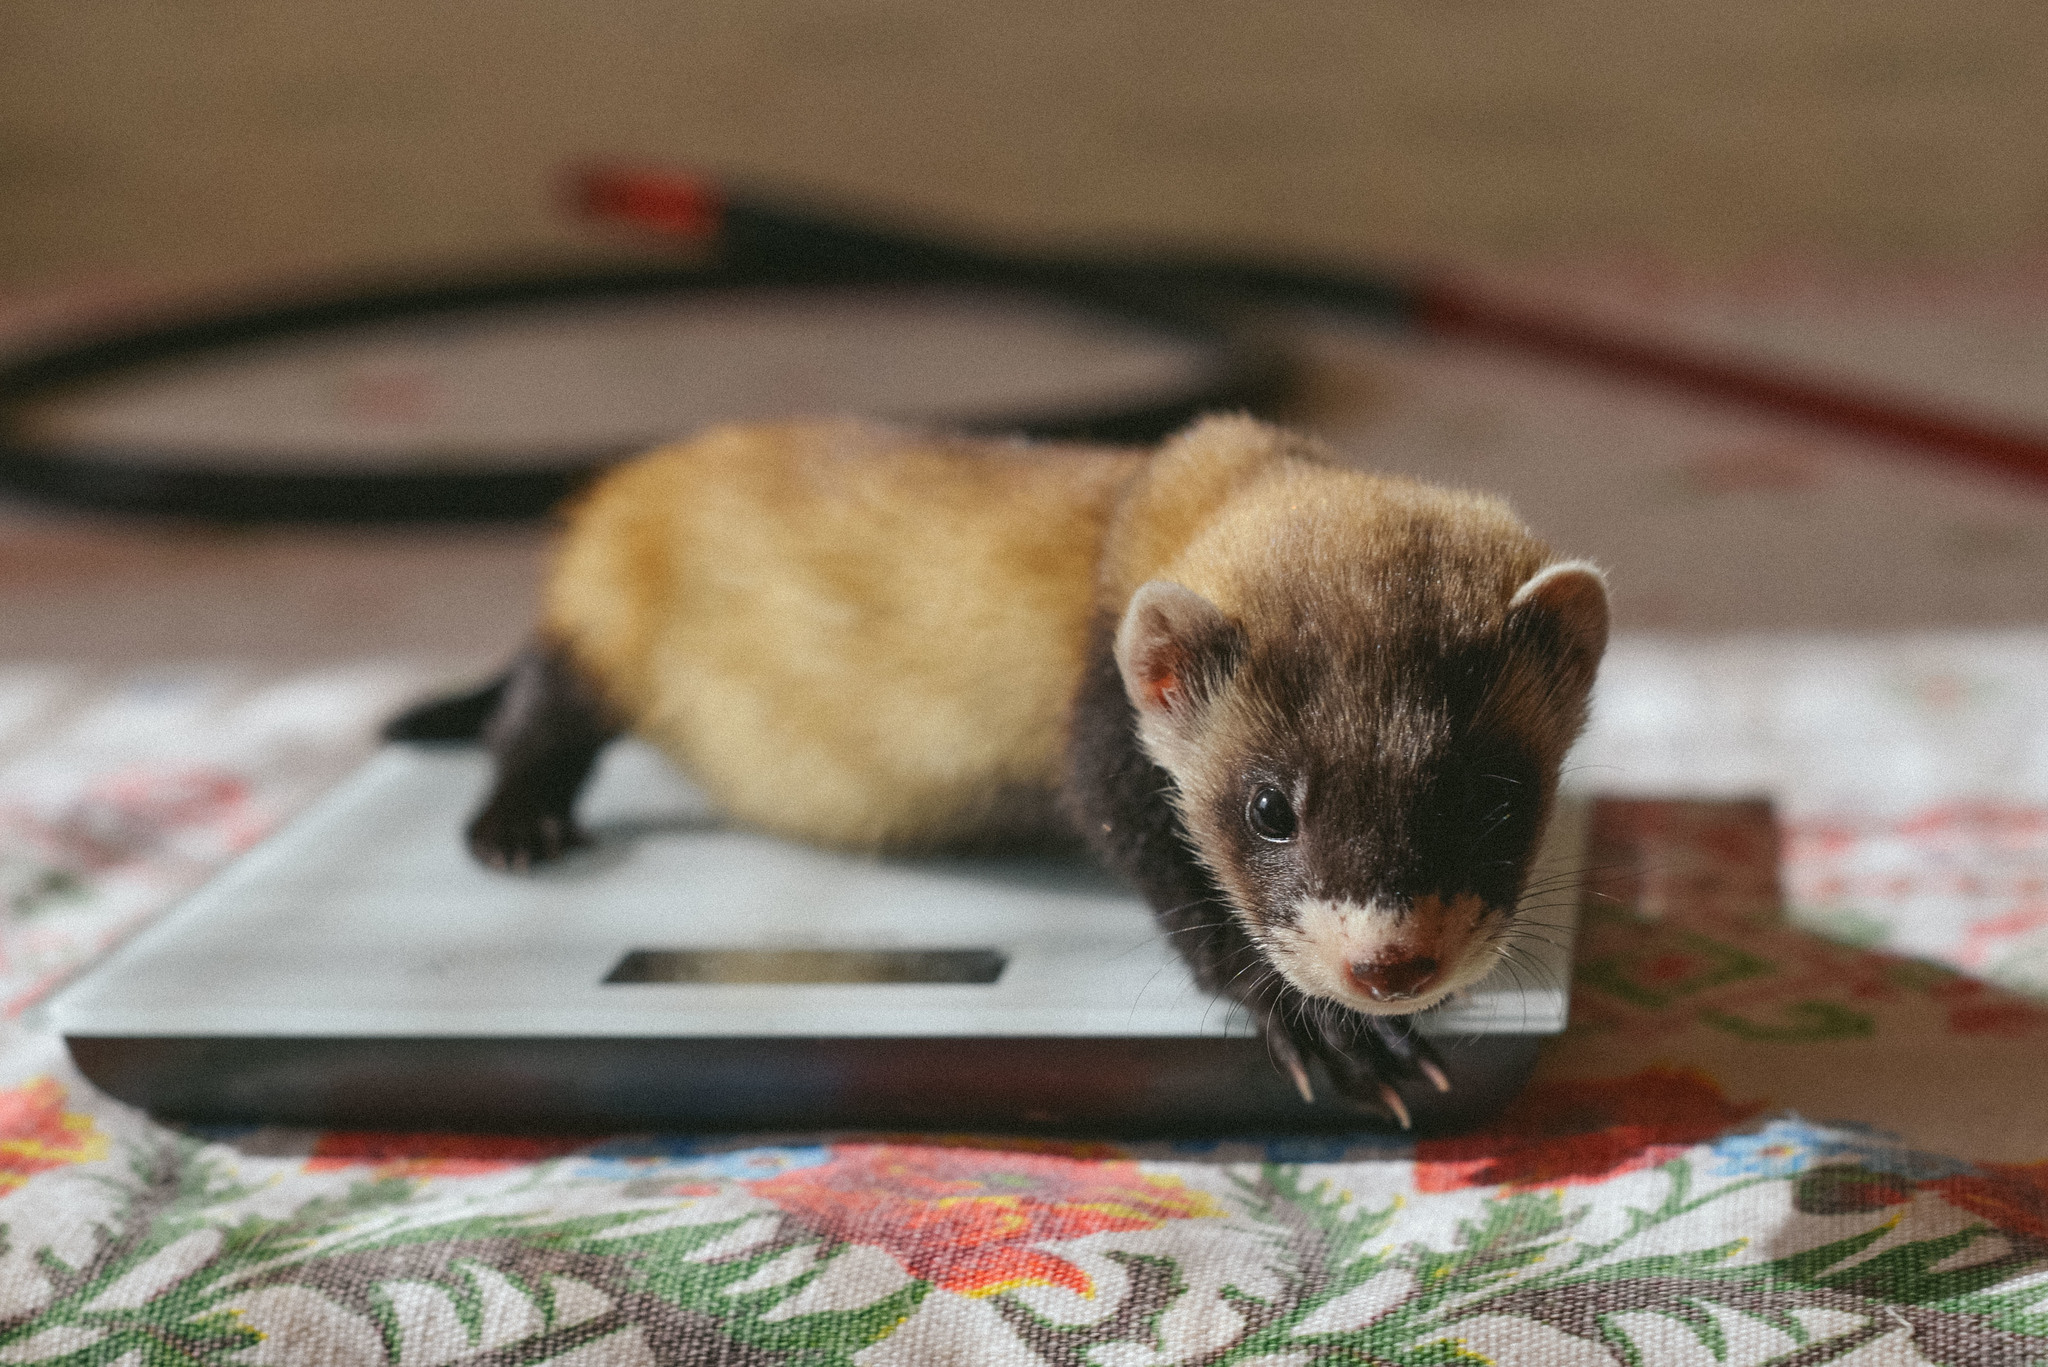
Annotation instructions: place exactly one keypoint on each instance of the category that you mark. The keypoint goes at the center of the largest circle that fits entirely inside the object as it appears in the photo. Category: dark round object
(1271, 816)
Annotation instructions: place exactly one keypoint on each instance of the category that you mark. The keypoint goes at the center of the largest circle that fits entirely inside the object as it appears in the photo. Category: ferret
(1315, 715)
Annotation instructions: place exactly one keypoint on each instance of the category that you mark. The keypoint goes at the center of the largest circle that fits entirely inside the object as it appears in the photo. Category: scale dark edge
(1131, 1088)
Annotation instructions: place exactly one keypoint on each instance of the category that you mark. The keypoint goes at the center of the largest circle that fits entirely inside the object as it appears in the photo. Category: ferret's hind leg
(545, 737)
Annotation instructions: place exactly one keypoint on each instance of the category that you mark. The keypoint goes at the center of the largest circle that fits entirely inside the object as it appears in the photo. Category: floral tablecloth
(1754, 1145)
(1800, 1117)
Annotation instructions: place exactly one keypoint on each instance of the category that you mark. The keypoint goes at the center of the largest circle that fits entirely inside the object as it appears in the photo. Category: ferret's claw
(1398, 1046)
(1364, 1057)
(1300, 1076)
(1394, 1103)
(514, 839)
(1286, 1056)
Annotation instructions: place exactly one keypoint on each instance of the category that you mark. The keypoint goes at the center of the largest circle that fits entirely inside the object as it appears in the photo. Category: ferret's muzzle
(1387, 960)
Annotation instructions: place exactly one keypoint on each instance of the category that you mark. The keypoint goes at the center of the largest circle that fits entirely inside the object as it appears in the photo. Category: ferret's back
(847, 632)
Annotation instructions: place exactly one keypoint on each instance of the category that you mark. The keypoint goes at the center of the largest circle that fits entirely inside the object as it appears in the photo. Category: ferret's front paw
(1366, 1058)
(513, 838)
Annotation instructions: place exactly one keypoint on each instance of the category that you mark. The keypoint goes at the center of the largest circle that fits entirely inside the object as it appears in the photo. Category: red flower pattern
(2013, 1197)
(1574, 1133)
(971, 1220)
(37, 1133)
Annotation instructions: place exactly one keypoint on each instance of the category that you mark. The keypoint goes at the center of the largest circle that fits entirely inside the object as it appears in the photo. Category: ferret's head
(1365, 747)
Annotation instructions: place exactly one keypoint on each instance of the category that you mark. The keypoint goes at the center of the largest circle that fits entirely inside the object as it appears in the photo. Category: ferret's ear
(1174, 648)
(1571, 596)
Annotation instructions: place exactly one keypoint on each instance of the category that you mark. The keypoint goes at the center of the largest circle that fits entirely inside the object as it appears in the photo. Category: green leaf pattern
(1794, 1244)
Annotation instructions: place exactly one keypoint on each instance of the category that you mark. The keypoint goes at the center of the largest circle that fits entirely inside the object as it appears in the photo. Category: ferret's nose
(1393, 980)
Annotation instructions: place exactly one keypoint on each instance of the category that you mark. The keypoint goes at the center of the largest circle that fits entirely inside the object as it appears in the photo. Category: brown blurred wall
(191, 137)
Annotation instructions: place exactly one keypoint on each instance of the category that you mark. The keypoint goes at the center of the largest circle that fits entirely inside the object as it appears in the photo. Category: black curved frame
(758, 247)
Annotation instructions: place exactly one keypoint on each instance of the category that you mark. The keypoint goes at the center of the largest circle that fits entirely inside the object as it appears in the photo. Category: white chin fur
(1330, 934)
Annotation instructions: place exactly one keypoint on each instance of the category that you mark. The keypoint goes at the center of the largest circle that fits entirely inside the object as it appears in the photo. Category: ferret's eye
(1270, 815)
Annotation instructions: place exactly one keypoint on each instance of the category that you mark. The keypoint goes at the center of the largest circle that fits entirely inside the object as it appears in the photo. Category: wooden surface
(225, 135)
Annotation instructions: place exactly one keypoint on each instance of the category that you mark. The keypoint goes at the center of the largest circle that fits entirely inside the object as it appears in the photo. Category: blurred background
(213, 137)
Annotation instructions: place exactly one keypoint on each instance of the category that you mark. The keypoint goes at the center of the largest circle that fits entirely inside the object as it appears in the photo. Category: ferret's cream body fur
(867, 637)
(847, 633)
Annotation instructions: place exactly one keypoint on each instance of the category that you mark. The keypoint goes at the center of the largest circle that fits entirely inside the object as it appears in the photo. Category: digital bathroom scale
(359, 970)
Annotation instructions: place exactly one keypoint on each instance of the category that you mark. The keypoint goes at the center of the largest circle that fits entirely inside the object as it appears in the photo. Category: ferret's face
(1369, 802)
(1377, 871)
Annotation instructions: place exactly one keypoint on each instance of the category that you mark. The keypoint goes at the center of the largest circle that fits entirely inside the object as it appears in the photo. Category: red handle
(1445, 310)
(667, 202)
